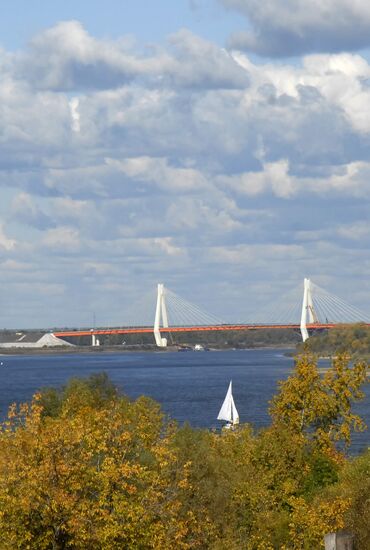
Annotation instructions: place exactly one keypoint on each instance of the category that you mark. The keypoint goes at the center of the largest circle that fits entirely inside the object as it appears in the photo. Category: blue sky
(221, 147)
(147, 20)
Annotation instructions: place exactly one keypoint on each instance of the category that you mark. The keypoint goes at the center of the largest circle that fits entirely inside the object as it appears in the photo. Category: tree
(354, 486)
(349, 338)
(89, 477)
(96, 390)
(319, 407)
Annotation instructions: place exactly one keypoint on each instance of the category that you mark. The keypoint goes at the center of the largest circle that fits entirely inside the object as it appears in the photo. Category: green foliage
(355, 479)
(353, 339)
(83, 467)
(96, 390)
(323, 471)
(215, 339)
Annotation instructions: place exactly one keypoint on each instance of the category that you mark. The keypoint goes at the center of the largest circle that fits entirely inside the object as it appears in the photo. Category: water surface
(190, 386)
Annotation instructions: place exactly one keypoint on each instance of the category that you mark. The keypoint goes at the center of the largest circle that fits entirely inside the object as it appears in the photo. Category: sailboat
(228, 410)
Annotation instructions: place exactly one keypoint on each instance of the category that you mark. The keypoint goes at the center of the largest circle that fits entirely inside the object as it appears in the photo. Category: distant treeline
(353, 338)
(217, 339)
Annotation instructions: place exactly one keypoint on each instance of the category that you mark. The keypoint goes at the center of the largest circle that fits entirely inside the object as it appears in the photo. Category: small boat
(228, 411)
(199, 347)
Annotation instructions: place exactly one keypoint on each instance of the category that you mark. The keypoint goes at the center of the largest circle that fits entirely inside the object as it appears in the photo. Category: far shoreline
(77, 350)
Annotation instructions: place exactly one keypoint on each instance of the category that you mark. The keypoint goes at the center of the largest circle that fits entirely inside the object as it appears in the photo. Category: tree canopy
(85, 467)
(353, 339)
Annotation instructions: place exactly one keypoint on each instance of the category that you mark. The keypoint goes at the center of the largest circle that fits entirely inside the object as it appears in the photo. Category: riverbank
(77, 350)
(222, 339)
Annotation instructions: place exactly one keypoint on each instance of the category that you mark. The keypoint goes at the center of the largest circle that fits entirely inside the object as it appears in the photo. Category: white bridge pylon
(160, 317)
(308, 311)
(321, 308)
(181, 313)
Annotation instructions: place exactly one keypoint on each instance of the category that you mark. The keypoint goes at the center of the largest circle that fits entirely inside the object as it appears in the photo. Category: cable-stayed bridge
(317, 309)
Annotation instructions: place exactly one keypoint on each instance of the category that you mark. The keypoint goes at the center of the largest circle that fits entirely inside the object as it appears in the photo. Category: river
(190, 386)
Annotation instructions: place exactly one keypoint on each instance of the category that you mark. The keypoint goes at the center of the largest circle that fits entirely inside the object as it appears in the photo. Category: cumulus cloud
(66, 57)
(199, 63)
(352, 179)
(293, 27)
(158, 172)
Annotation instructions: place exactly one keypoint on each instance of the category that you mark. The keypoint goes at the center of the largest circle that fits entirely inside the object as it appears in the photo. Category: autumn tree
(94, 475)
(316, 410)
(320, 406)
(354, 485)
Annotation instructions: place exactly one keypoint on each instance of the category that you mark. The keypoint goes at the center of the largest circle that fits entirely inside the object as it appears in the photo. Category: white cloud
(341, 79)
(75, 115)
(62, 239)
(66, 57)
(158, 171)
(351, 180)
(293, 27)
(166, 244)
(274, 177)
(5, 242)
(357, 231)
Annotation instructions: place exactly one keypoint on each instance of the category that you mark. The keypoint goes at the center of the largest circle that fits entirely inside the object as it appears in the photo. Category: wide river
(190, 386)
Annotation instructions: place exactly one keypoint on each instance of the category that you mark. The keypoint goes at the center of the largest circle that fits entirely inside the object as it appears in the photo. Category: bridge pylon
(308, 310)
(160, 317)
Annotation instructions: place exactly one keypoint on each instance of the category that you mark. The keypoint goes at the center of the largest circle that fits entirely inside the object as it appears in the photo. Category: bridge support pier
(160, 315)
(94, 340)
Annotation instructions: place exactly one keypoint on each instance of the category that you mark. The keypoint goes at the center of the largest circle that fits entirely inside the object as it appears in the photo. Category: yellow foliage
(320, 407)
(311, 521)
(95, 478)
(98, 471)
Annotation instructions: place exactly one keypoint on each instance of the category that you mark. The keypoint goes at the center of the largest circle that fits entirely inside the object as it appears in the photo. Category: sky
(221, 147)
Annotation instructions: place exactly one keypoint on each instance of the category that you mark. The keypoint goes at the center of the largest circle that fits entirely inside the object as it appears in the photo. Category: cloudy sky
(221, 147)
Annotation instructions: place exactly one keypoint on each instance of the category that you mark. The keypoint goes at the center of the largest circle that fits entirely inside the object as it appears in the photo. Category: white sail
(234, 412)
(228, 410)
